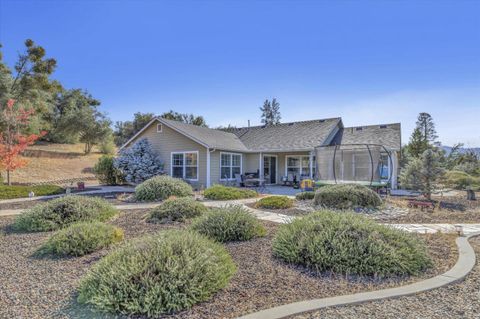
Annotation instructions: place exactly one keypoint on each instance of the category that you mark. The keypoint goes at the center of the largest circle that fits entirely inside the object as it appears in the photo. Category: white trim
(276, 167)
(260, 165)
(310, 158)
(241, 165)
(161, 128)
(208, 168)
(184, 164)
(138, 133)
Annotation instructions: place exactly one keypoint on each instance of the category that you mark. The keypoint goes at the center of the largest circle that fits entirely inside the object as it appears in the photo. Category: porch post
(208, 168)
(260, 165)
(311, 164)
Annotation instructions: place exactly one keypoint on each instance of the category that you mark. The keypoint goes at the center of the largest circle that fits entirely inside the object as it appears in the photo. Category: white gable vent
(159, 128)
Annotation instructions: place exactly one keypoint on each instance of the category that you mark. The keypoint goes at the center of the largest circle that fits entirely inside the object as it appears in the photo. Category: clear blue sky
(366, 61)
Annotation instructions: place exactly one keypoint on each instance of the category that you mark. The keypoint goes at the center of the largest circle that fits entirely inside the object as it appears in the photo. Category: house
(207, 156)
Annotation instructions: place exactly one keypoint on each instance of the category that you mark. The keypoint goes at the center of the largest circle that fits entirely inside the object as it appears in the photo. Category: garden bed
(454, 209)
(454, 301)
(39, 288)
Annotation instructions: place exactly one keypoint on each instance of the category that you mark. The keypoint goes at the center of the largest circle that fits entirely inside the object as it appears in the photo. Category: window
(299, 166)
(159, 128)
(185, 165)
(230, 164)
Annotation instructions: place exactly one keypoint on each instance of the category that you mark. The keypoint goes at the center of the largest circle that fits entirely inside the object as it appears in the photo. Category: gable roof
(202, 135)
(208, 137)
(295, 136)
(388, 135)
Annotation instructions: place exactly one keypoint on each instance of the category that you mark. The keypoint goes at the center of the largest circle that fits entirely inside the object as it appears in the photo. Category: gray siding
(168, 141)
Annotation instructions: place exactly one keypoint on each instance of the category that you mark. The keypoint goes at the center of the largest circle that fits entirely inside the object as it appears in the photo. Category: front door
(270, 169)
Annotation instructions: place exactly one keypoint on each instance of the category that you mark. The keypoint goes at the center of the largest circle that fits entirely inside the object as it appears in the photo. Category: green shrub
(20, 191)
(161, 188)
(230, 223)
(61, 212)
(347, 196)
(349, 244)
(220, 192)
(82, 238)
(159, 274)
(106, 172)
(177, 209)
(305, 195)
(275, 202)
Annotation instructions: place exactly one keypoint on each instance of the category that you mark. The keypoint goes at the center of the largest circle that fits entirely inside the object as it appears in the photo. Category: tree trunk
(471, 194)
(8, 178)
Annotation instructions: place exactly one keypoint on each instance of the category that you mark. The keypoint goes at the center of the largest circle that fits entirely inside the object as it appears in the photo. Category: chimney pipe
(248, 123)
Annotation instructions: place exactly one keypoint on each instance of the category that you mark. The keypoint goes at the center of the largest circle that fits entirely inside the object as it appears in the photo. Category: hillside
(56, 162)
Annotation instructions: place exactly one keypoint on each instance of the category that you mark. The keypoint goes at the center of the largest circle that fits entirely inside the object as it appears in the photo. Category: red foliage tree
(12, 140)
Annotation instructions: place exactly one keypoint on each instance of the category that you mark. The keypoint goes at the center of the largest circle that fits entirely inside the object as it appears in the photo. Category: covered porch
(280, 168)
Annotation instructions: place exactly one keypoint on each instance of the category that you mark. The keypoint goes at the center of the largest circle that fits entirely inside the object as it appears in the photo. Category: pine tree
(139, 162)
(417, 144)
(270, 112)
(423, 173)
(427, 128)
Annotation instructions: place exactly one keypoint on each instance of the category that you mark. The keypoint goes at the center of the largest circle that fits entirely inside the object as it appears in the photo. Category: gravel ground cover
(45, 288)
(460, 300)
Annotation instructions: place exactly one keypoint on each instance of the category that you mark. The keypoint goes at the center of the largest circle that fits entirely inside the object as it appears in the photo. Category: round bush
(220, 192)
(177, 209)
(230, 223)
(82, 238)
(159, 274)
(347, 196)
(161, 188)
(349, 244)
(106, 172)
(63, 211)
(275, 202)
(305, 195)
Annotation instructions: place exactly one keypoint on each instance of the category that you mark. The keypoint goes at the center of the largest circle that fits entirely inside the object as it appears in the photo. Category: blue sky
(366, 61)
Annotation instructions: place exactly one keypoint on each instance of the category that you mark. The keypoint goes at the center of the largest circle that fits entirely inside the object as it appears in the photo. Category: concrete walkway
(465, 263)
(284, 219)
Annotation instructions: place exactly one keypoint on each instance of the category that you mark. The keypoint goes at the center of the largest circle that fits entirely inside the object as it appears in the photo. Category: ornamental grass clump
(350, 244)
(229, 223)
(221, 192)
(347, 196)
(162, 187)
(176, 209)
(275, 202)
(81, 238)
(64, 211)
(156, 275)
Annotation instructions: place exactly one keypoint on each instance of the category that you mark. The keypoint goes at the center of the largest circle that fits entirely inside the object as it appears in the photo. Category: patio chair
(239, 180)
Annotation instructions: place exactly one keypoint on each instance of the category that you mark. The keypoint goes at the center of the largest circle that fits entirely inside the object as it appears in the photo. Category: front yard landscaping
(48, 287)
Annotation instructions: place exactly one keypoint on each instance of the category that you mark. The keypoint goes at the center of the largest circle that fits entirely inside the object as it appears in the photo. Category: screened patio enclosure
(366, 164)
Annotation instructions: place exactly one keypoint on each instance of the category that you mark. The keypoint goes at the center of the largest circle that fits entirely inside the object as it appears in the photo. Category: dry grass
(45, 168)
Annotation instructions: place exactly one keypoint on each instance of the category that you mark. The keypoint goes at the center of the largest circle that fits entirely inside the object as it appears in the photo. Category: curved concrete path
(465, 263)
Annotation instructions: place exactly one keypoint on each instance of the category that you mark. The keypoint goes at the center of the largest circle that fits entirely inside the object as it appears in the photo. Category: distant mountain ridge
(448, 149)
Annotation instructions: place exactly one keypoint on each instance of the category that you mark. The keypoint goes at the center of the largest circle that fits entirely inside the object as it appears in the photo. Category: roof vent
(290, 124)
(358, 128)
(383, 126)
(321, 121)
